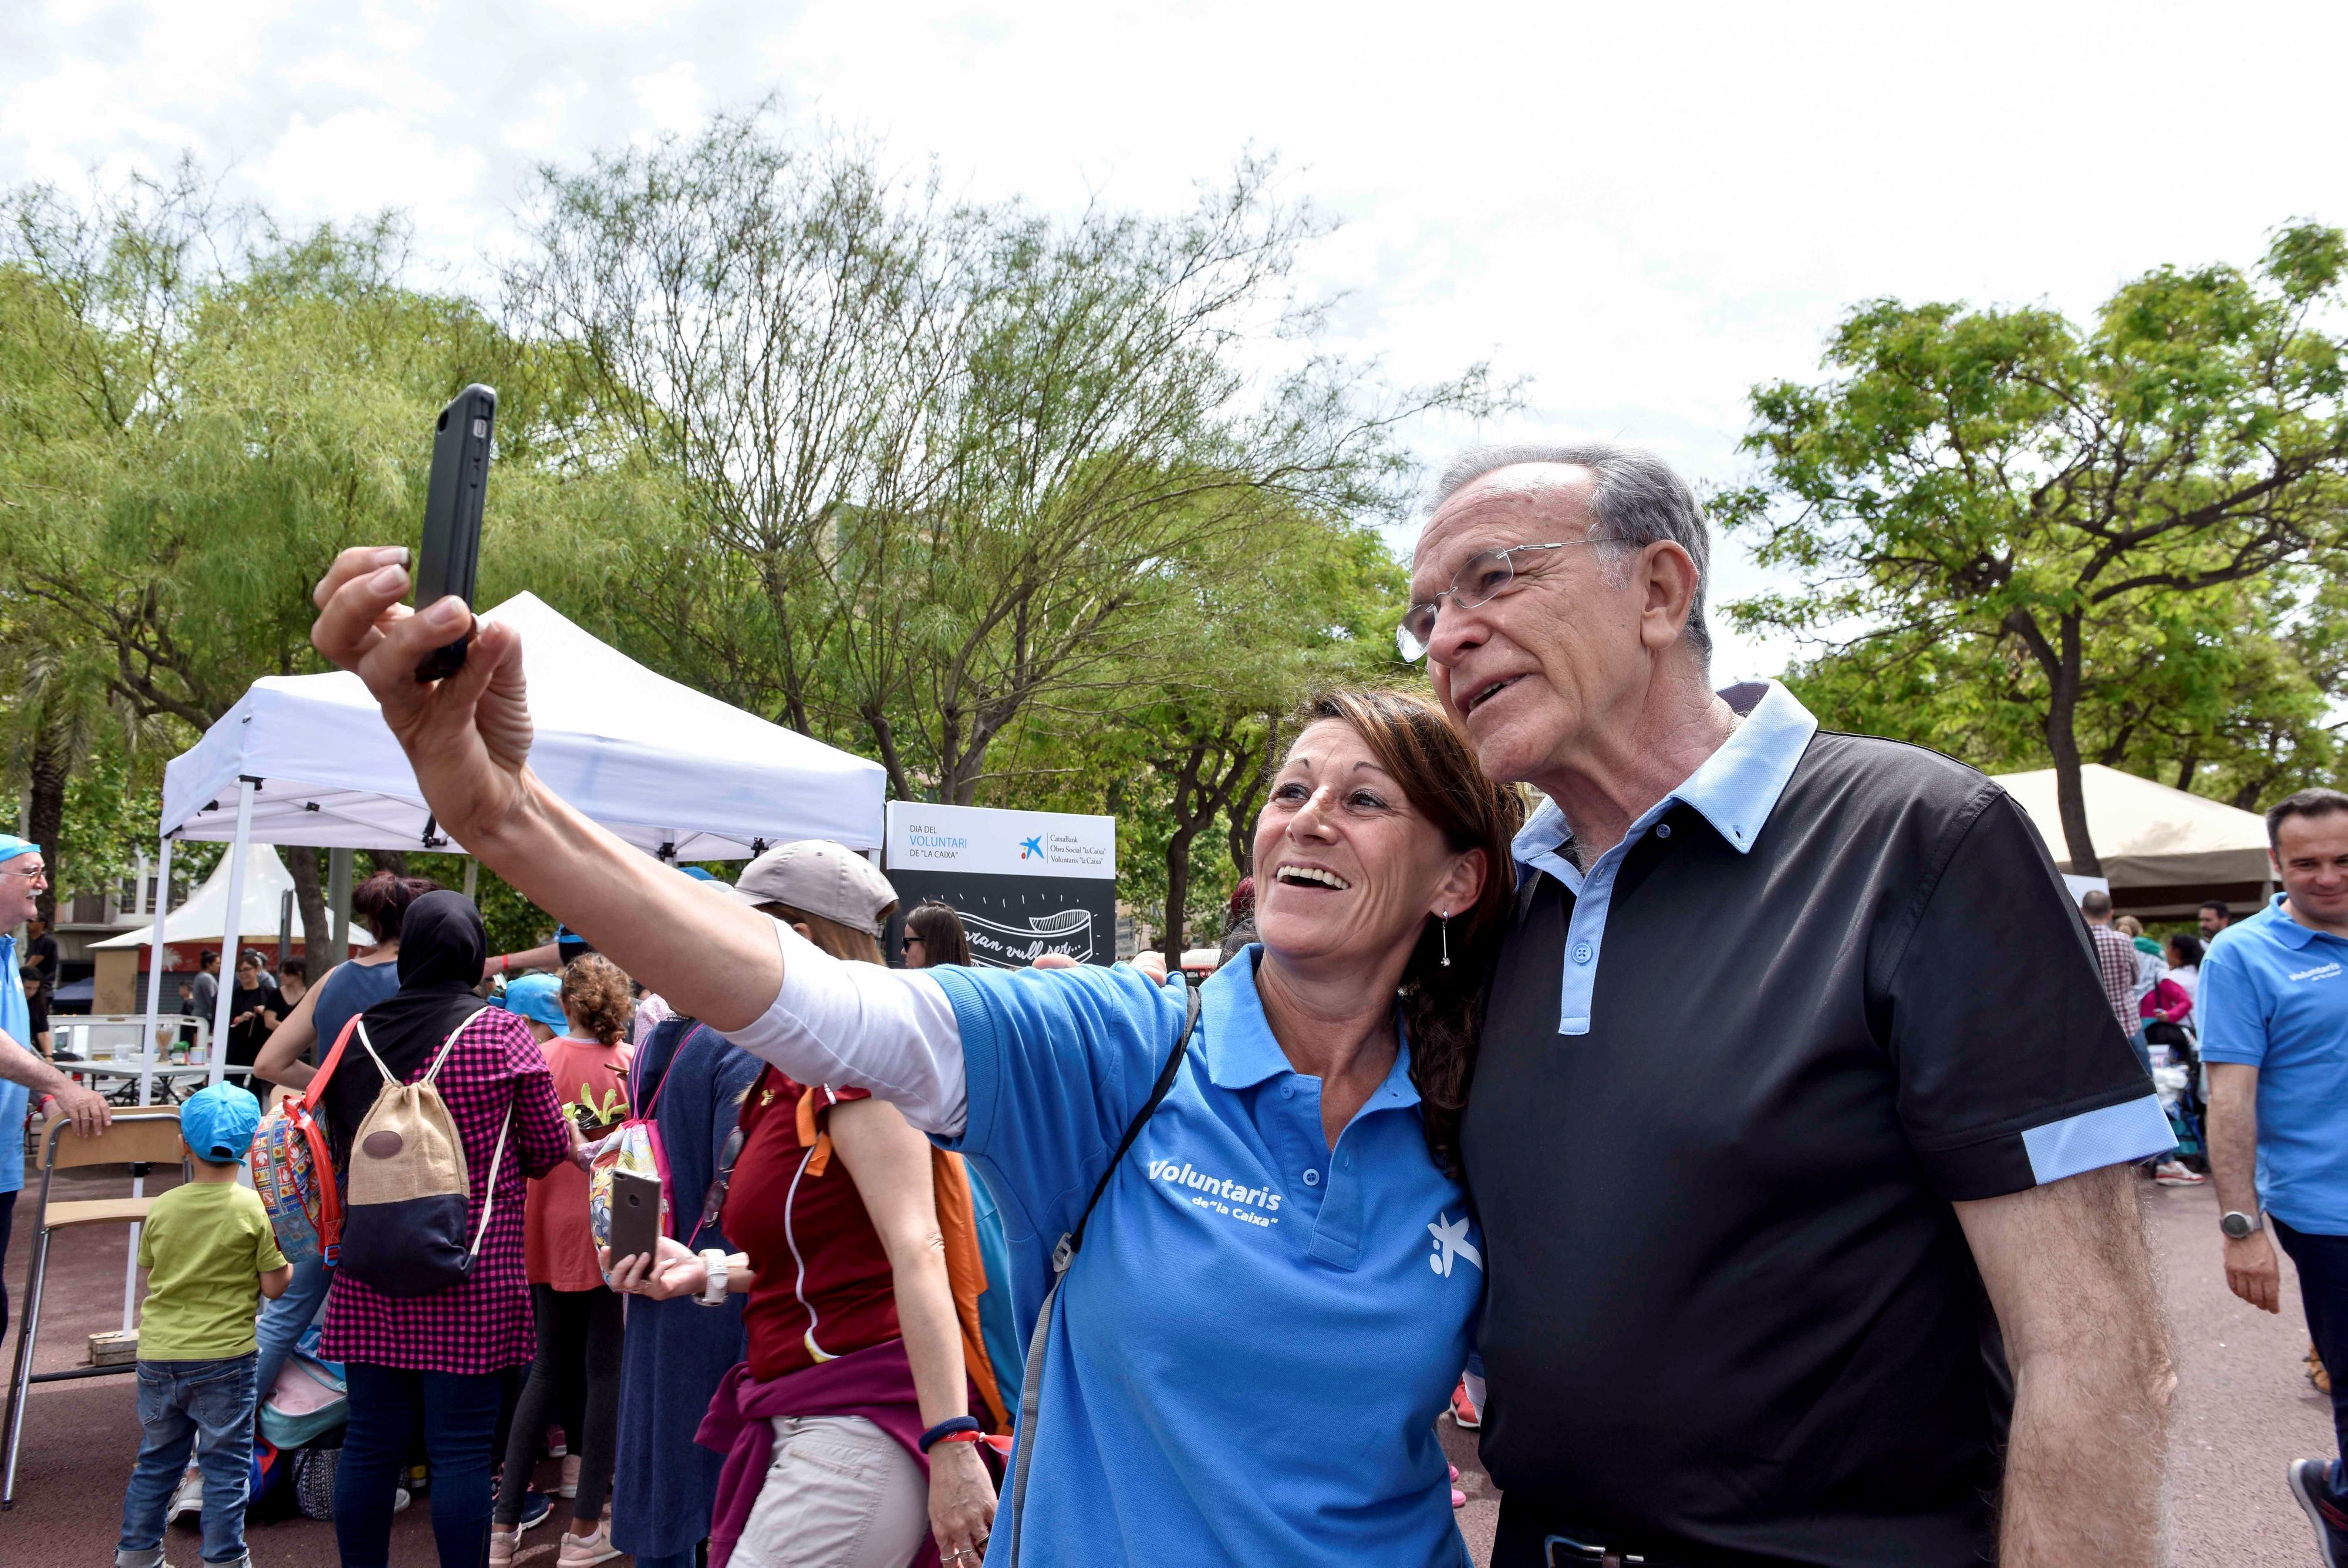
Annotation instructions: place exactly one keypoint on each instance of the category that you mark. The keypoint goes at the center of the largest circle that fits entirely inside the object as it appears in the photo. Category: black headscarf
(443, 949)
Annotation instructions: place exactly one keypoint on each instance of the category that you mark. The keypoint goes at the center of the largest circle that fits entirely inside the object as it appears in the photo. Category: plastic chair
(144, 1137)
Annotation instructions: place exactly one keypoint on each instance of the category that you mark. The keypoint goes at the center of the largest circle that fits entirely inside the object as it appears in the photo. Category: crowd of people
(1218, 1252)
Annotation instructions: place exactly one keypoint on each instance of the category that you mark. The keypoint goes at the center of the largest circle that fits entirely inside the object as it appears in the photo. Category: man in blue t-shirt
(2274, 1032)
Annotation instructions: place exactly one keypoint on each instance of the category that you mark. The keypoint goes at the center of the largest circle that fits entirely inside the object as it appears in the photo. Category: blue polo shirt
(2274, 996)
(16, 1020)
(1247, 1360)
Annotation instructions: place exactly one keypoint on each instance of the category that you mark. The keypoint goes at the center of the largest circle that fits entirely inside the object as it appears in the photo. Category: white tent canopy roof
(656, 762)
(203, 918)
(2147, 834)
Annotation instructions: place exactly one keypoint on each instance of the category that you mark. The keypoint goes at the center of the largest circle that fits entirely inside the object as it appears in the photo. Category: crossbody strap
(317, 1091)
(1031, 1392)
(489, 1198)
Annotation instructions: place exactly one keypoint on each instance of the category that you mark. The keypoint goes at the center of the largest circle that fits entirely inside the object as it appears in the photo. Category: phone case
(453, 500)
(635, 1214)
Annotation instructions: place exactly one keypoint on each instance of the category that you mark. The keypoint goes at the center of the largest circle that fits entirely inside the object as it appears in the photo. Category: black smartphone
(452, 514)
(635, 1214)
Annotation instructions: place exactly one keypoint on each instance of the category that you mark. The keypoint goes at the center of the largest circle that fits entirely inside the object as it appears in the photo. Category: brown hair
(381, 902)
(840, 941)
(1414, 741)
(944, 941)
(598, 997)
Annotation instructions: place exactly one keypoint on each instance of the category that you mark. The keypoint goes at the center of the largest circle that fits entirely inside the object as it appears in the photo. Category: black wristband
(945, 1430)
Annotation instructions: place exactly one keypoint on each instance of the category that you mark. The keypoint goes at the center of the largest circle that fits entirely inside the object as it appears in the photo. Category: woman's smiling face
(1345, 866)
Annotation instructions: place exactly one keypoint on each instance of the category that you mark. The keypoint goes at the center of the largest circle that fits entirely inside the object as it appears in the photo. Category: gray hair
(1639, 500)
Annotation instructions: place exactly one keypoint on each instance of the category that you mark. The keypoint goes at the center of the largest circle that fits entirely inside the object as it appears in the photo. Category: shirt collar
(1735, 789)
(1237, 1044)
(2287, 931)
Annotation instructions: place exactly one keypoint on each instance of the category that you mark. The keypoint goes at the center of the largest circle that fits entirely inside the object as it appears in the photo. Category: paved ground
(2243, 1410)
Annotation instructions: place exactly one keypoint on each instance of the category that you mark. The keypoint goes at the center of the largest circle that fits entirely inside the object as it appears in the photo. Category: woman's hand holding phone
(669, 1272)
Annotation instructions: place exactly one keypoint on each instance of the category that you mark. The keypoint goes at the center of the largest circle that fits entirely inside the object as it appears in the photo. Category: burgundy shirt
(825, 1288)
(483, 1324)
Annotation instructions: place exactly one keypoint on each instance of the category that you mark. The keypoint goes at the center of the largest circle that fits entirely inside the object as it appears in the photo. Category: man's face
(2311, 855)
(2212, 923)
(1532, 677)
(21, 882)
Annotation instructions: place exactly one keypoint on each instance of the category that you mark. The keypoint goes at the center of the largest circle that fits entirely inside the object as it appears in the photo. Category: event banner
(1025, 882)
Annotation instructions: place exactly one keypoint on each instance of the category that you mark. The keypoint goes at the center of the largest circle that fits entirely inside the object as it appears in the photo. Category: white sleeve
(859, 1025)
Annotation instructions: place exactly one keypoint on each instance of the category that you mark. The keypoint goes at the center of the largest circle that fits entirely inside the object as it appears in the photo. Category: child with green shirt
(209, 1257)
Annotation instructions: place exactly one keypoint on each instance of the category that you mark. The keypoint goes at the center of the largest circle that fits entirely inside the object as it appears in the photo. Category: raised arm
(468, 739)
(2070, 1275)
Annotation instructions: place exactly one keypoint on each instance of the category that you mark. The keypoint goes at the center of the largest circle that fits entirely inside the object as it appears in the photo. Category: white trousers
(840, 1493)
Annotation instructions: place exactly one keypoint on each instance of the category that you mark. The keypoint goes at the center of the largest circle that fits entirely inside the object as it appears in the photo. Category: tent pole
(338, 900)
(231, 935)
(472, 877)
(156, 959)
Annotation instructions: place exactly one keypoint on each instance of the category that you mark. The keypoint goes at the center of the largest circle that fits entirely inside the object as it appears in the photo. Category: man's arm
(2070, 1273)
(91, 1115)
(2251, 1271)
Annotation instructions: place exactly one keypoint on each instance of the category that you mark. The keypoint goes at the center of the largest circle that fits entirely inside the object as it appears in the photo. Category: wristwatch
(2237, 1224)
(713, 1288)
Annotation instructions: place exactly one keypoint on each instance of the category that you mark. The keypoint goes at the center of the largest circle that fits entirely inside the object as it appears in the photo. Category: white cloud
(1646, 210)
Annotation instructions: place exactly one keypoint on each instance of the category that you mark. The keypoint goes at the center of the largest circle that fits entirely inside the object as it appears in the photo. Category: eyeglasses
(1486, 575)
(39, 874)
(712, 1203)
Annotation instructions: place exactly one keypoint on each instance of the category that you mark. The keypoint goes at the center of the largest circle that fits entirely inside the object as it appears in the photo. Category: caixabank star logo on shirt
(1452, 1246)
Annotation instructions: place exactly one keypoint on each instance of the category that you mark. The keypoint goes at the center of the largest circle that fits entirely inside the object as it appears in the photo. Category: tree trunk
(2062, 667)
(310, 897)
(45, 820)
(2187, 768)
(2063, 742)
(392, 860)
(1245, 802)
(1178, 894)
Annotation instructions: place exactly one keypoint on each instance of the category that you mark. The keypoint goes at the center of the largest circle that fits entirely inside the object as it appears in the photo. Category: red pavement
(2243, 1411)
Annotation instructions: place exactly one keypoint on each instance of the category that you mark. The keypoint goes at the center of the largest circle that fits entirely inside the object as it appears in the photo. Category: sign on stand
(1025, 882)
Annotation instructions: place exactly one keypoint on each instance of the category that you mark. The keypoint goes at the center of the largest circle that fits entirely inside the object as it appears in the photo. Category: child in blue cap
(209, 1257)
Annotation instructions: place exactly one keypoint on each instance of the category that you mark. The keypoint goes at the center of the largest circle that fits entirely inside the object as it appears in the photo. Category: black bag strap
(1031, 1391)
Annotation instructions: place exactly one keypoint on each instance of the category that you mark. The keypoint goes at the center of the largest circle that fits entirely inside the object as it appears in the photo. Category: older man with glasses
(23, 1071)
(1761, 1187)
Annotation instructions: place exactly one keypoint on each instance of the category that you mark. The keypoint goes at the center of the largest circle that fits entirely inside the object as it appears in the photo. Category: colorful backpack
(404, 1230)
(294, 1169)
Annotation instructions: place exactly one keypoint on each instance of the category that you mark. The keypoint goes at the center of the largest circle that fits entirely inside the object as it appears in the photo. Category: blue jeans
(282, 1322)
(203, 1405)
(461, 1425)
(2323, 1262)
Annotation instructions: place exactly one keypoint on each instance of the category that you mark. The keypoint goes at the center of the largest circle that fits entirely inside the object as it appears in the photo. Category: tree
(1997, 508)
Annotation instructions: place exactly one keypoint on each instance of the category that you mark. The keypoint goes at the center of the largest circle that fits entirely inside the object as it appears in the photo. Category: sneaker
(502, 1546)
(1464, 1412)
(2311, 1482)
(558, 1442)
(584, 1550)
(2175, 1175)
(536, 1506)
(188, 1502)
(569, 1486)
(399, 1500)
(2317, 1377)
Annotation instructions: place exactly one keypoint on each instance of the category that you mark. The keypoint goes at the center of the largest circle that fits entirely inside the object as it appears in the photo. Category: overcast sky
(1643, 209)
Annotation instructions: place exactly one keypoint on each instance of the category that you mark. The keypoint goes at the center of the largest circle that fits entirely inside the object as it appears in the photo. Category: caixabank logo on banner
(1025, 882)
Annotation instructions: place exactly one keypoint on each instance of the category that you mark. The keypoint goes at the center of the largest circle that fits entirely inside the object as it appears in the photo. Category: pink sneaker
(1463, 1408)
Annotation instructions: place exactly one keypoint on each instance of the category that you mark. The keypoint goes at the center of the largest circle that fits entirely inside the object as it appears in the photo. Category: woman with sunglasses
(1278, 1284)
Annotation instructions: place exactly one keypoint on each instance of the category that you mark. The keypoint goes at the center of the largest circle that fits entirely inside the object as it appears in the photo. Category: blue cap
(537, 996)
(11, 846)
(218, 1121)
(698, 874)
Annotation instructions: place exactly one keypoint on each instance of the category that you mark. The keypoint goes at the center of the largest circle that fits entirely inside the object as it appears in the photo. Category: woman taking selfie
(1286, 1235)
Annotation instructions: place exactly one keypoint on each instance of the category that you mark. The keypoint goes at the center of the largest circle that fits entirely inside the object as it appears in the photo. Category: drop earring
(1445, 916)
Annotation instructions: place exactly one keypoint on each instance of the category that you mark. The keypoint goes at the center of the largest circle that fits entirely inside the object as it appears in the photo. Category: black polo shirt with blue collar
(1732, 1075)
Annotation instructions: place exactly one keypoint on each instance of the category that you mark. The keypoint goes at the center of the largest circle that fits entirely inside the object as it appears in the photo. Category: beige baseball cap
(821, 878)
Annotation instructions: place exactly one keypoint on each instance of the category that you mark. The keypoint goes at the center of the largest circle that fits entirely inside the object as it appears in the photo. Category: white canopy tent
(204, 917)
(2160, 847)
(307, 760)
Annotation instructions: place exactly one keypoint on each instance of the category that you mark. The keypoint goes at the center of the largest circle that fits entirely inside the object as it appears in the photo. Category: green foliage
(2022, 539)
